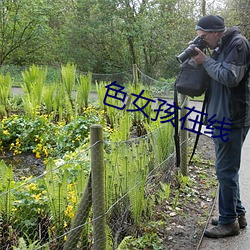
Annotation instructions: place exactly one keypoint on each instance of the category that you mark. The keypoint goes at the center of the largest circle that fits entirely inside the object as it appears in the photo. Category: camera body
(190, 51)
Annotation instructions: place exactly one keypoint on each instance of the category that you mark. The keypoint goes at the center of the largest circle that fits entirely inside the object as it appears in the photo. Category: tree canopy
(107, 36)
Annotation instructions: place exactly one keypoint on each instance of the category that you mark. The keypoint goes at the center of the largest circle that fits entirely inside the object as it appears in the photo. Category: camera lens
(190, 50)
(187, 53)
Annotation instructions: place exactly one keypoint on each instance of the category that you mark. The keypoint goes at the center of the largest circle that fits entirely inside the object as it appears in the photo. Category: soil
(186, 223)
(25, 164)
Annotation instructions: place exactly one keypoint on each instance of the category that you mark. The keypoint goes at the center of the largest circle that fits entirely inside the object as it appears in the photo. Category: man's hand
(200, 58)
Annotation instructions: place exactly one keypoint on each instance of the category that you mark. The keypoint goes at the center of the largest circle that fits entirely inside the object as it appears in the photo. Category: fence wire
(43, 211)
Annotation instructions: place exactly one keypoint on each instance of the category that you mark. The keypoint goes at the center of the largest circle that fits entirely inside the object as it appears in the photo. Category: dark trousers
(228, 157)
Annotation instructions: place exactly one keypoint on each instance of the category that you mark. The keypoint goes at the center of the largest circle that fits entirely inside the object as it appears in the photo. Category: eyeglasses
(203, 36)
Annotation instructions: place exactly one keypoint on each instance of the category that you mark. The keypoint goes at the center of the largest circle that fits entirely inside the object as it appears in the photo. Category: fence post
(80, 218)
(183, 139)
(135, 74)
(98, 195)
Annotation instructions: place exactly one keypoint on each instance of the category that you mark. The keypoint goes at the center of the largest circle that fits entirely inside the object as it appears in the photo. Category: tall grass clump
(101, 92)
(83, 90)
(34, 80)
(141, 98)
(127, 167)
(161, 135)
(6, 184)
(68, 74)
(5, 90)
(48, 97)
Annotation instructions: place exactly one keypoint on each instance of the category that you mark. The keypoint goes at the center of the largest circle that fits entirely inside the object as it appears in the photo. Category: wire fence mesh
(160, 87)
(41, 210)
(44, 211)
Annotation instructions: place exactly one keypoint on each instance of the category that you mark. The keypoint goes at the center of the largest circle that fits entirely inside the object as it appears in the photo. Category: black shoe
(221, 231)
(241, 219)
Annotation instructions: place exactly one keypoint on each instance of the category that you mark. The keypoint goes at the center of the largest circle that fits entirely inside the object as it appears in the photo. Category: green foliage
(23, 25)
(103, 36)
(139, 90)
(34, 81)
(5, 90)
(126, 172)
(83, 90)
(57, 188)
(128, 161)
(184, 181)
(147, 241)
(122, 122)
(162, 139)
(68, 74)
(30, 206)
(101, 91)
(29, 245)
(164, 192)
(43, 137)
(6, 184)
(48, 98)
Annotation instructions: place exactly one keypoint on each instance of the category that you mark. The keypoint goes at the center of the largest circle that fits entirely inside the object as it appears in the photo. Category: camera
(190, 51)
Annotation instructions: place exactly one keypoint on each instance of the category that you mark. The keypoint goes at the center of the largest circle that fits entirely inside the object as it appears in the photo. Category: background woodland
(107, 36)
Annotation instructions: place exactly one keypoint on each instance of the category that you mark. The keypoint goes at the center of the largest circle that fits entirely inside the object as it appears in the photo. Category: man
(229, 99)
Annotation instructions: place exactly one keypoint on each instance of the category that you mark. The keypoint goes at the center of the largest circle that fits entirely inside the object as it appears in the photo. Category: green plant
(184, 181)
(162, 139)
(101, 91)
(83, 90)
(147, 241)
(29, 245)
(6, 184)
(5, 90)
(126, 172)
(34, 81)
(176, 199)
(56, 187)
(164, 191)
(30, 207)
(68, 74)
(144, 96)
(48, 98)
(44, 137)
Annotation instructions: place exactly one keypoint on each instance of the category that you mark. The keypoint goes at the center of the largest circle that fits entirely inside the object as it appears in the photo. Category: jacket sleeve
(234, 66)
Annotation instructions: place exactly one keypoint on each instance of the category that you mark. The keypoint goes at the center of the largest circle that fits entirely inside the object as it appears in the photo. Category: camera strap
(176, 134)
(176, 122)
(200, 125)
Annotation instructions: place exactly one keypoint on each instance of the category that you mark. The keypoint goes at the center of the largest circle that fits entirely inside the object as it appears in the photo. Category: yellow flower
(6, 132)
(14, 209)
(45, 151)
(38, 155)
(73, 199)
(37, 196)
(31, 186)
(69, 211)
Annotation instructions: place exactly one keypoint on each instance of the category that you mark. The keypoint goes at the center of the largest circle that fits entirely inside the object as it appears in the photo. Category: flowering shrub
(43, 137)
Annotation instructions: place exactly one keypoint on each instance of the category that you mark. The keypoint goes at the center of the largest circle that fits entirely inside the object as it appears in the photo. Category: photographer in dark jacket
(228, 98)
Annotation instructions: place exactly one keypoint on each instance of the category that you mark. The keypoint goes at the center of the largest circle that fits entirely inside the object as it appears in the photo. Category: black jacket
(229, 89)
